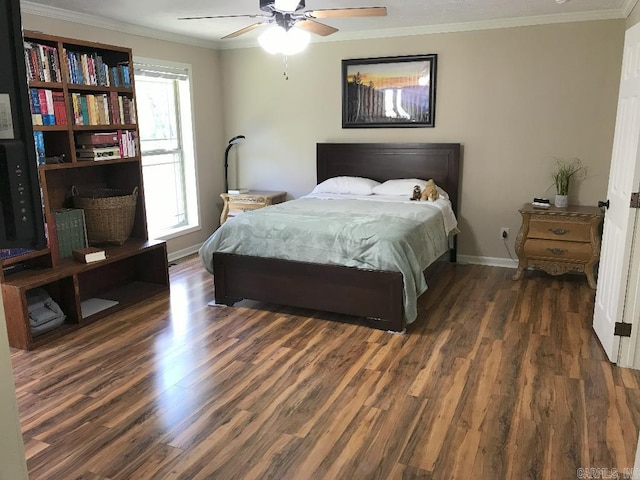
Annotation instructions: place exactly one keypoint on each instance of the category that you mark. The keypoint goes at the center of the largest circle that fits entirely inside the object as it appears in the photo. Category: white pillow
(403, 186)
(347, 186)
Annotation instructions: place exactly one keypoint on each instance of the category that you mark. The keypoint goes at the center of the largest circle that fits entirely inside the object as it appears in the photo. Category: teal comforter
(392, 236)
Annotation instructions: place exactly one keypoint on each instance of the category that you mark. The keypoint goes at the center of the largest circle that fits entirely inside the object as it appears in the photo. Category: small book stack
(97, 146)
(89, 254)
(106, 145)
(88, 153)
(540, 202)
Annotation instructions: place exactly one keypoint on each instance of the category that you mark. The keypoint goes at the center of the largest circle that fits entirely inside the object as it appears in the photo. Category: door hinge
(635, 200)
(622, 329)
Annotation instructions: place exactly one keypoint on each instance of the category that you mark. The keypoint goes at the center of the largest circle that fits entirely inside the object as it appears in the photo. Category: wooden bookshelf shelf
(51, 128)
(98, 88)
(5, 262)
(89, 128)
(49, 85)
(89, 163)
(131, 272)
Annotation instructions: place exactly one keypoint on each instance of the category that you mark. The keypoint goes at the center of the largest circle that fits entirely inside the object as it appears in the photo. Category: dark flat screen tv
(21, 218)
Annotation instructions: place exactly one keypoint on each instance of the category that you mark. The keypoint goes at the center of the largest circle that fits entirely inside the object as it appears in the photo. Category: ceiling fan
(290, 13)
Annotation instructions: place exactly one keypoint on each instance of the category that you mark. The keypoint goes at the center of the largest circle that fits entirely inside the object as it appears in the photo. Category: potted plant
(565, 170)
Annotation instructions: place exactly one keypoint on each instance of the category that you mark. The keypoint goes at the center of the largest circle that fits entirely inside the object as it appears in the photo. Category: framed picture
(389, 92)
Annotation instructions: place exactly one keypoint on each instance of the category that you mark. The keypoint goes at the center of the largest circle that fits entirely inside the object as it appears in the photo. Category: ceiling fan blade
(252, 15)
(244, 30)
(349, 12)
(316, 27)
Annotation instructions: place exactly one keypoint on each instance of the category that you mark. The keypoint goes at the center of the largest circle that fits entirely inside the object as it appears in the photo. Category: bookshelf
(81, 90)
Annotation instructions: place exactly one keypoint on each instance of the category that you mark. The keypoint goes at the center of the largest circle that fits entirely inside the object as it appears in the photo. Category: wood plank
(497, 378)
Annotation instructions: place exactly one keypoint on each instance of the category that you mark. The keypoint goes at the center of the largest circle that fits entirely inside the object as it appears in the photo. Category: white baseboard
(185, 252)
(490, 261)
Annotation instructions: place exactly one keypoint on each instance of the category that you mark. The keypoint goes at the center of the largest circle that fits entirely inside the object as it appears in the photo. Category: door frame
(629, 350)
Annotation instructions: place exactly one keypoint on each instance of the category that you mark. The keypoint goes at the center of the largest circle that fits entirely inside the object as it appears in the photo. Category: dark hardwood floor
(496, 379)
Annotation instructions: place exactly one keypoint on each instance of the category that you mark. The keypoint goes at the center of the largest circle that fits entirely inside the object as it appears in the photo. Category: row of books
(103, 109)
(47, 107)
(90, 69)
(71, 229)
(42, 62)
(13, 252)
(106, 145)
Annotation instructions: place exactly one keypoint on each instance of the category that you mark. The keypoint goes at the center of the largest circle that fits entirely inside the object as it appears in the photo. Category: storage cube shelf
(102, 75)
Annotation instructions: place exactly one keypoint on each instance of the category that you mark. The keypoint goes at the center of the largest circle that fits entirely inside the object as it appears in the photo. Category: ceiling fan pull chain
(285, 66)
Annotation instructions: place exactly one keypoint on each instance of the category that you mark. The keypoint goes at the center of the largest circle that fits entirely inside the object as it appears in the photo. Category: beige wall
(514, 98)
(206, 90)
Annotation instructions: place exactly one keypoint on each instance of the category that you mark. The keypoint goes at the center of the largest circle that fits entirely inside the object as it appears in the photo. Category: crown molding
(109, 24)
(101, 22)
(628, 7)
(454, 27)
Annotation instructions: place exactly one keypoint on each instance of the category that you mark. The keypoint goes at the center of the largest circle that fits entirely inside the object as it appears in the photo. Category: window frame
(183, 95)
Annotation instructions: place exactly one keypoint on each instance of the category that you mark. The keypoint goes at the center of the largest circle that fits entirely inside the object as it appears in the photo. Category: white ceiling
(159, 18)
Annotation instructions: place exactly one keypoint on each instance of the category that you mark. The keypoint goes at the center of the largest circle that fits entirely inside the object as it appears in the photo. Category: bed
(379, 295)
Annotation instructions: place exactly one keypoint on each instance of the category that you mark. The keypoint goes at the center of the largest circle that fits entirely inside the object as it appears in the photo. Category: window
(166, 142)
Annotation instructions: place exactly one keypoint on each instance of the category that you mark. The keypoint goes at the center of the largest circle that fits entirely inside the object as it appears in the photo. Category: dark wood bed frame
(376, 295)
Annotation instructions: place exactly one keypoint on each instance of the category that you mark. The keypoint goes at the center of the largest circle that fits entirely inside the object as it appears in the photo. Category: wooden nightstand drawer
(565, 231)
(562, 251)
(236, 208)
(244, 199)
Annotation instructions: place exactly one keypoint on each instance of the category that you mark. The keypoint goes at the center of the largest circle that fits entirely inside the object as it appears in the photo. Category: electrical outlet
(504, 232)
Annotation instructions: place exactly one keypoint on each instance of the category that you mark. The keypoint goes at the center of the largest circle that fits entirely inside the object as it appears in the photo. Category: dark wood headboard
(386, 161)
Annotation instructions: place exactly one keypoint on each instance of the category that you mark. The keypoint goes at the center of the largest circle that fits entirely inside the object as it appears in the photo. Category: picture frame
(389, 91)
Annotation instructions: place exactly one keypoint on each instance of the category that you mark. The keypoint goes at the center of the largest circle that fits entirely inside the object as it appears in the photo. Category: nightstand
(252, 200)
(559, 240)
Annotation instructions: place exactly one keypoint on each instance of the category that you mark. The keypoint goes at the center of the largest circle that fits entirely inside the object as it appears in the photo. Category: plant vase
(561, 201)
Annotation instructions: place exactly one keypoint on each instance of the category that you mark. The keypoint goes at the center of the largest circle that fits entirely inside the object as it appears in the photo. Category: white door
(619, 220)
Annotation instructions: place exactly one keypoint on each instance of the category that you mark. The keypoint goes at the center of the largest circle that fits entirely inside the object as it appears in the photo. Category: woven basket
(109, 214)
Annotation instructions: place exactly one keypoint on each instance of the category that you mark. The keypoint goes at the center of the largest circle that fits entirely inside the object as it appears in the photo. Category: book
(105, 138)
(59, 108)
(36, 113)
(38, 138)
(540, 205)
(89, 254)
(71, 230)
(540, 200)
(237, 191)
(96, 153)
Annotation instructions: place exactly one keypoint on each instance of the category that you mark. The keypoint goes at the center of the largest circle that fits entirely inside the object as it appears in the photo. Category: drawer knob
(559, 231)
(557, 251)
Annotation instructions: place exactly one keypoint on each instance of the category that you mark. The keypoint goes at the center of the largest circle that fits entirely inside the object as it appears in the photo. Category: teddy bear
(430, 191)
(416, 193)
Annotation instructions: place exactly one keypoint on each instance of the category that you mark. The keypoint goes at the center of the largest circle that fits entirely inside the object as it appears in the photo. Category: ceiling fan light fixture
(287, 5)
(287, 42)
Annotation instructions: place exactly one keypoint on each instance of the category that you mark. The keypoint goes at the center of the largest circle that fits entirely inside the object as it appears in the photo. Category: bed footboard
(351, 291)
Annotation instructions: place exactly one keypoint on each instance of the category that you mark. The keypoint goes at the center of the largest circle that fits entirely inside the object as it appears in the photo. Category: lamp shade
(287, 42)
